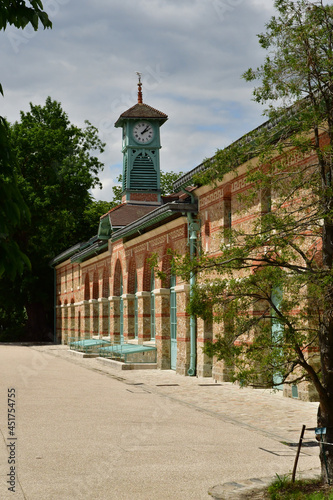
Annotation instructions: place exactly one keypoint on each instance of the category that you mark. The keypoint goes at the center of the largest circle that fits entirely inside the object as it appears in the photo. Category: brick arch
(72, 300)
(87, 287)
(59, 303)
(95, 291)
(106, 282)
(117, 275)
(131, 276)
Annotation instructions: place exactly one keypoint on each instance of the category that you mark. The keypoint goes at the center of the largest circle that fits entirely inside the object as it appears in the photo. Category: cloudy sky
(191, 54)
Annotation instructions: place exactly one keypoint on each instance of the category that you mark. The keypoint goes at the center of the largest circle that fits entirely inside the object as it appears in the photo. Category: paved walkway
(86, 430)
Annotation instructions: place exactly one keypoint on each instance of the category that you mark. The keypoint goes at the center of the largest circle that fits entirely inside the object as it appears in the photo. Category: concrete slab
(119, 365)
(85, 432)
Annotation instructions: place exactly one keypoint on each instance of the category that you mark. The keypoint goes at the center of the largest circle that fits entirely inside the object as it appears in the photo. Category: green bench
(123, 351)
(87, 345)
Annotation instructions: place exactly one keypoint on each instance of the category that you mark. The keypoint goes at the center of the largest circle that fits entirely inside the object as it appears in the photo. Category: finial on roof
(139, 88)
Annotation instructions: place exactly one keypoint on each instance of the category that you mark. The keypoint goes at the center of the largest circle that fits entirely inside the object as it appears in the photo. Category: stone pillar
(93, 317)
(162, 327)
(220, 371)
(85, 320)
(79, 313)
(128, 311)
(59, 323)
(115, 319)
(143, 316)
(64, 324)
(204, 334)
(103, 317)
(183, 329)
(72, 321)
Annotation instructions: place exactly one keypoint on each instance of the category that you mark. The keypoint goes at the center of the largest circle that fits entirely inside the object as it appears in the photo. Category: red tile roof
(124, 214)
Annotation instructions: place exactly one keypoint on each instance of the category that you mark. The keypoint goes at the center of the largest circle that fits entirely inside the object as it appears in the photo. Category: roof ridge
(142, 105)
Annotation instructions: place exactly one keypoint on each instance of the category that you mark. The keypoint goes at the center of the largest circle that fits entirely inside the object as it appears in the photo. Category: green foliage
(19, 13)
(56, 167)
(313, 489)
(167, 181)
(13, 210)
(91, 215)
(117, 191)
(57, 170)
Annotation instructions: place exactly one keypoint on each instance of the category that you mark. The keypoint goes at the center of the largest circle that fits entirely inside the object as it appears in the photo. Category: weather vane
(139, 88)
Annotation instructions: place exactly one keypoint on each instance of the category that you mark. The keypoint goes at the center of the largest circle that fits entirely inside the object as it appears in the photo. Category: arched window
(87, 287)
(95, 285)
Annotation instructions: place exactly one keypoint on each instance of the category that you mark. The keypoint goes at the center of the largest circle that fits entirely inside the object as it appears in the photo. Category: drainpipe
(193, 229)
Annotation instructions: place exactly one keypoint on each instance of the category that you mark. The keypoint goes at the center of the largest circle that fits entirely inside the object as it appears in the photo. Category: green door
(173, 323)
(152, 306)
(277, 335)
(121, 312)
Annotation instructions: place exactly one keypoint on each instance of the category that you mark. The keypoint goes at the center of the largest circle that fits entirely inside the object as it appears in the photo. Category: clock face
(143, 132)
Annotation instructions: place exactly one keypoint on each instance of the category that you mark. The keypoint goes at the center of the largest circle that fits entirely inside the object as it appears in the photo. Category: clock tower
(141, 152)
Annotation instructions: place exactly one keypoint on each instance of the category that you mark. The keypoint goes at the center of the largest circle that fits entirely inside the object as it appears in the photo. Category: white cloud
(191, 53)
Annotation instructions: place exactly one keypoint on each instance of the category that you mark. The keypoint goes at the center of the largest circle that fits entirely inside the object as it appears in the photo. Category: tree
(91, 215)
(56, 170)
(13, 210)
(272, 286)
(167, 181)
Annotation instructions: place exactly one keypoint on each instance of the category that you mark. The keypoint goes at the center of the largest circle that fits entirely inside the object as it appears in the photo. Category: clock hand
(145, 130)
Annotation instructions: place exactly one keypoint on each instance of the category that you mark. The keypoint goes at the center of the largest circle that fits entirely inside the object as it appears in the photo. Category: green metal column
(193, 229)
(152, 306)
(136, 309)
(277, 333)
(173, 323)
(121, 312)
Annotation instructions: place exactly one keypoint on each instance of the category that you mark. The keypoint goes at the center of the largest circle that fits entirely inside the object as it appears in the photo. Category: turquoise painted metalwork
(136, 309)
(121, 311)
(277, 332)
(152, 306)
(173, 323)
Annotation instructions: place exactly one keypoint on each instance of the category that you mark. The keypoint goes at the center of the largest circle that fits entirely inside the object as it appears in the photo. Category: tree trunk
(325, 413)
(39, 325)
(326, 439)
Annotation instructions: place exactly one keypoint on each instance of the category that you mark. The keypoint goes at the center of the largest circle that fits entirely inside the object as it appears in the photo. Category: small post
(297, 454)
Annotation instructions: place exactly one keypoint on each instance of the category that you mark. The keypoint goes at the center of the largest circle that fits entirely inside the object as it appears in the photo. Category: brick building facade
(106, 288)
